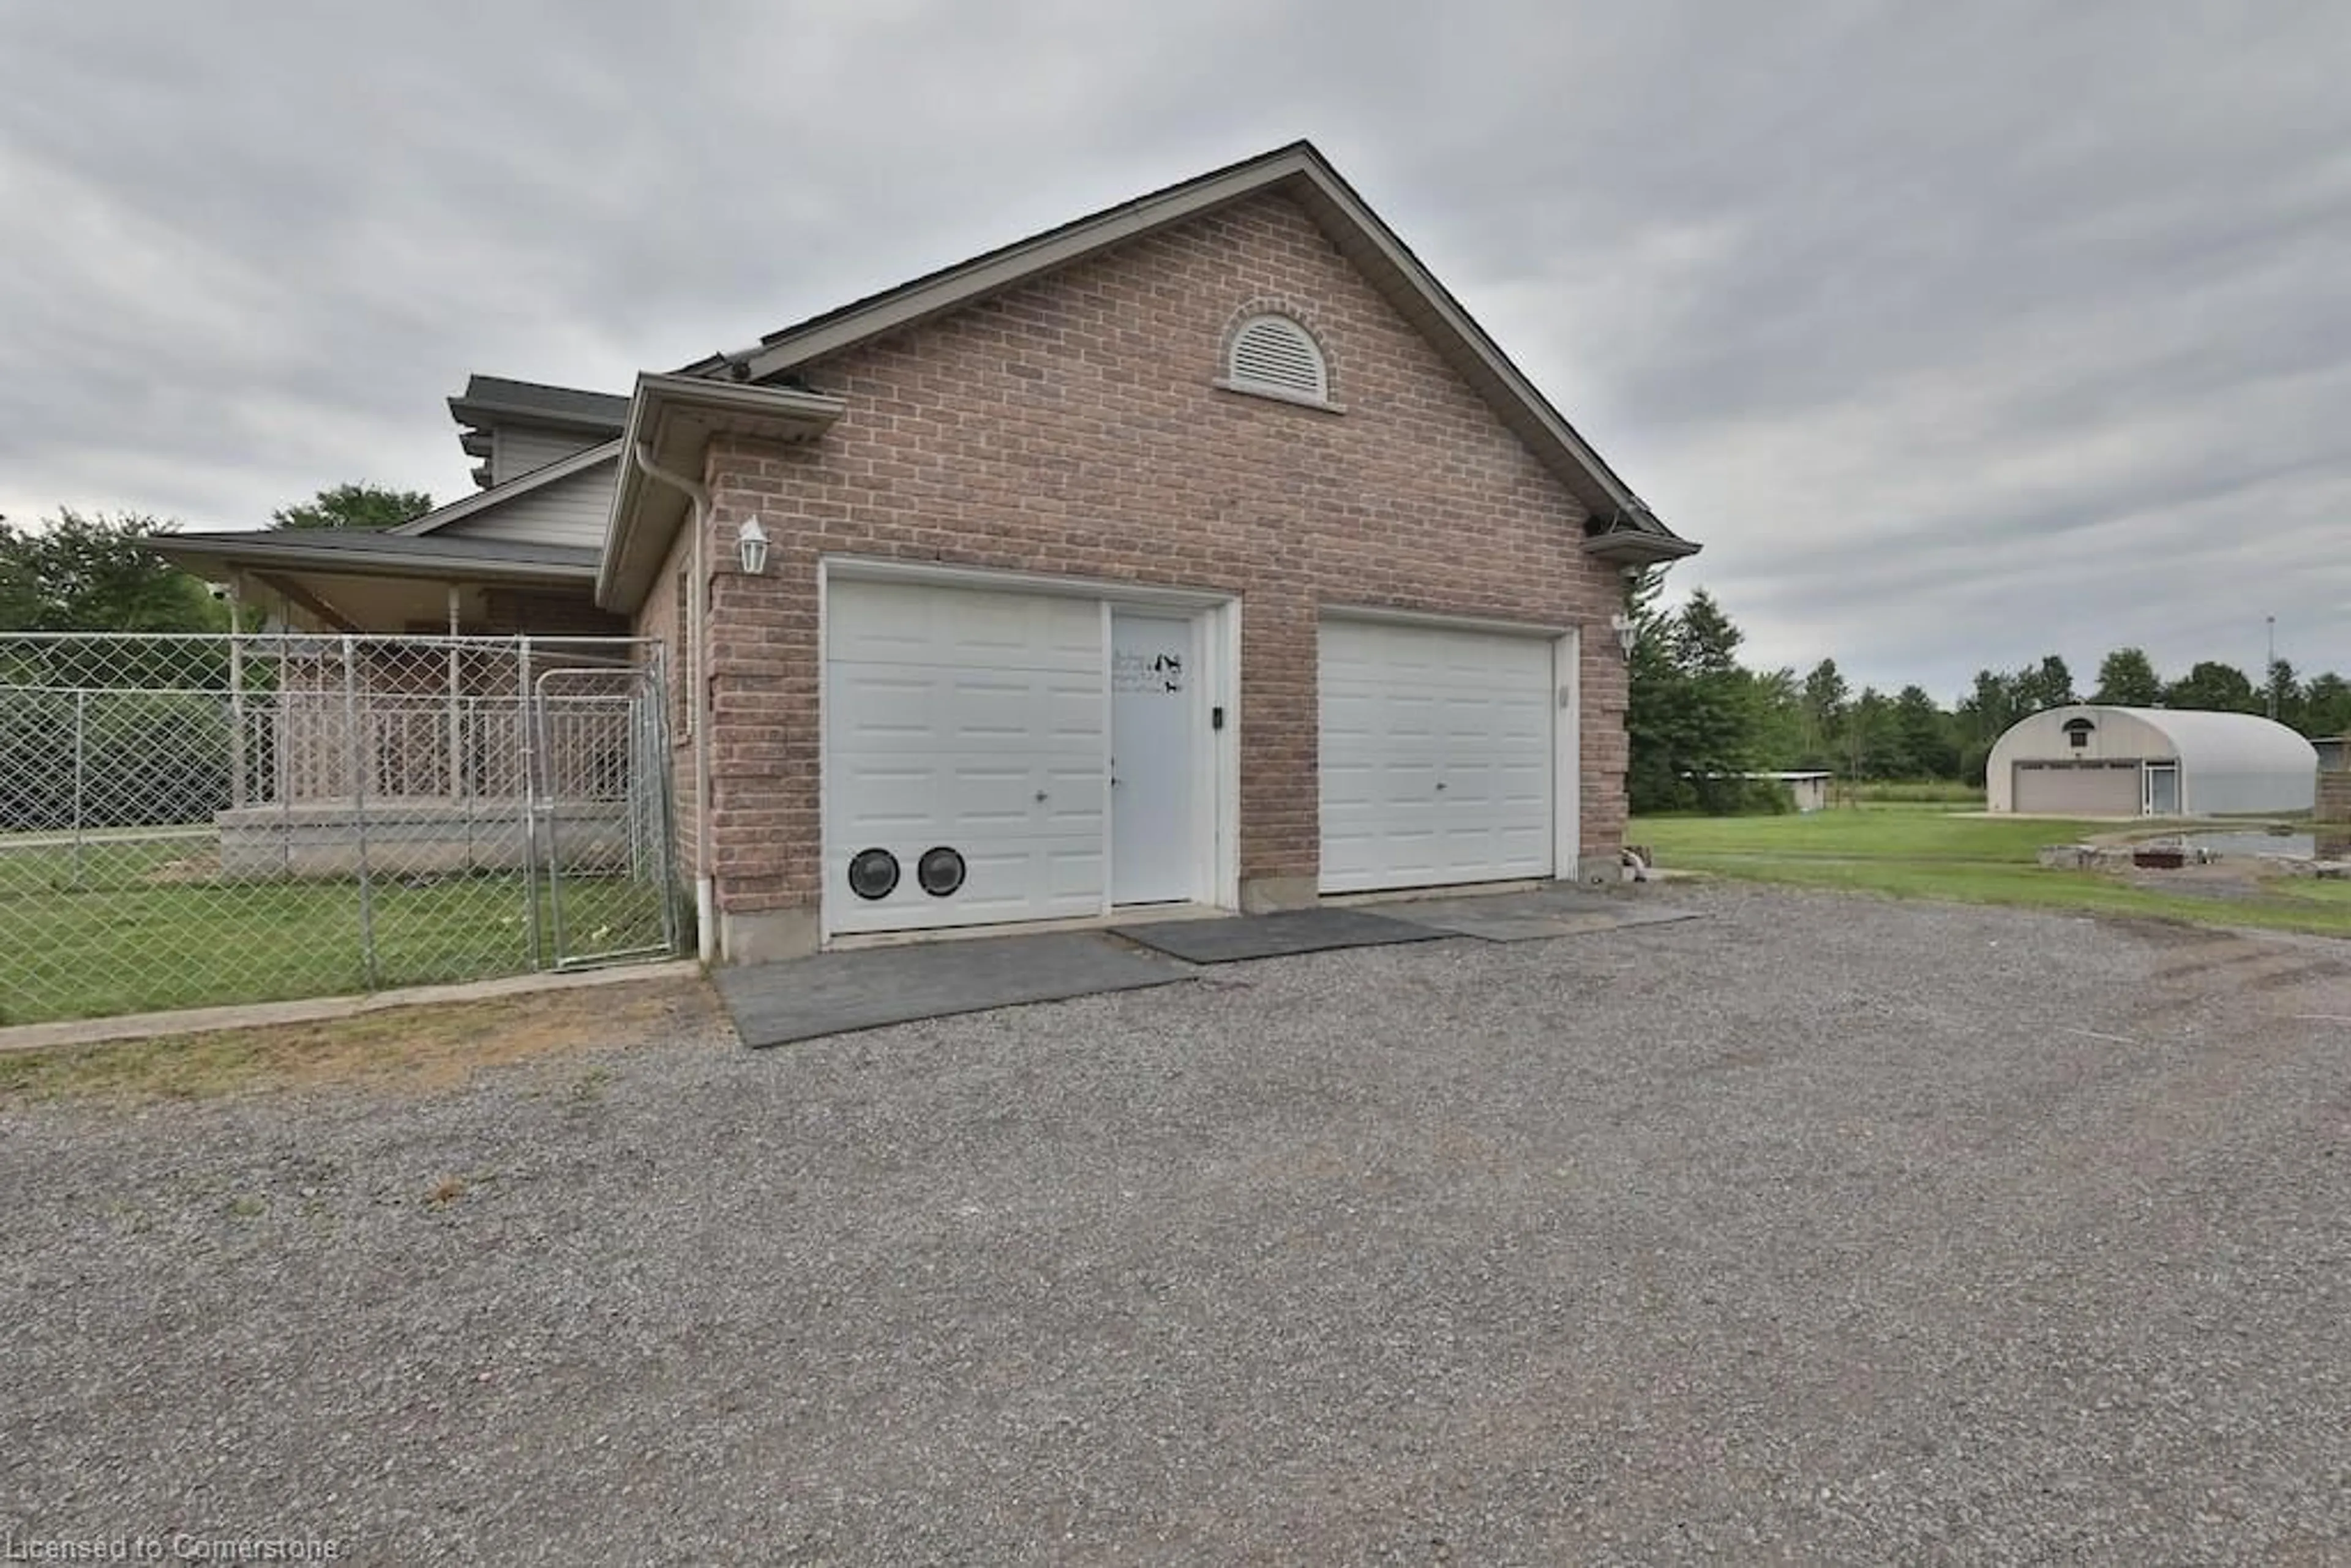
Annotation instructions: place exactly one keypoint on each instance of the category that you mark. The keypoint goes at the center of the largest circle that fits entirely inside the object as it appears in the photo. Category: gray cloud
(1958, 335)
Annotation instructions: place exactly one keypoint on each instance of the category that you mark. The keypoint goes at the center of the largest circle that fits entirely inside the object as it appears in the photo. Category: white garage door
(967, 721)
(1437, 756)
(2076, 789)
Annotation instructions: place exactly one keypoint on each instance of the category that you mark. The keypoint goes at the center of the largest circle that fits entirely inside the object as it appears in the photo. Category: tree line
(1699, 720)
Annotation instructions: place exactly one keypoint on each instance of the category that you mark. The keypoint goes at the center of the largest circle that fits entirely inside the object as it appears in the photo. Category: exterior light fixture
(751, 540)
(1627, 629)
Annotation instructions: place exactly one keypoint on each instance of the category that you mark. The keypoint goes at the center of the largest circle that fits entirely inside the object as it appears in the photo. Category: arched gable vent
(1274, 353)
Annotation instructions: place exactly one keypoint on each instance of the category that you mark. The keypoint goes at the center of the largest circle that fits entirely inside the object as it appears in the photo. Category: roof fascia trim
(250, 549)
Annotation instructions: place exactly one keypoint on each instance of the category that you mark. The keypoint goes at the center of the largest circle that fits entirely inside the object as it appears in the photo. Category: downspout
(697, 614)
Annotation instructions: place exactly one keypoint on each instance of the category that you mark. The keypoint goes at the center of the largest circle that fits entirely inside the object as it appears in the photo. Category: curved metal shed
(2090, 759)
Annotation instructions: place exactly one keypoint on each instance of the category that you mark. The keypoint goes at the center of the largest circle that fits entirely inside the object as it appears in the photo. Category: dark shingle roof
(495, 400)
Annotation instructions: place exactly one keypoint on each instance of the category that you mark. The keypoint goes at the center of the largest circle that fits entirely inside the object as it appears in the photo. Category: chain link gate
(194, 819)
(579, 847)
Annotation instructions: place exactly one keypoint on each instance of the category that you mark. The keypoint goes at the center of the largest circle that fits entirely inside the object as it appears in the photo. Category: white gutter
(692, 634)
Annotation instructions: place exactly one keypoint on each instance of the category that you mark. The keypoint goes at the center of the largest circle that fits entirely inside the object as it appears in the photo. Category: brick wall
(1069, 427)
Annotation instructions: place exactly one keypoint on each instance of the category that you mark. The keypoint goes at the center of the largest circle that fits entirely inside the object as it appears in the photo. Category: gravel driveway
(1821, 1228)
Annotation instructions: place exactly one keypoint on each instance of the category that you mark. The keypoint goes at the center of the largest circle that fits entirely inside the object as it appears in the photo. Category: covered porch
(435, 704)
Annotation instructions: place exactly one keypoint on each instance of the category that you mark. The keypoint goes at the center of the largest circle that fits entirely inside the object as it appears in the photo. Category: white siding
(516, 452)
(570, 511)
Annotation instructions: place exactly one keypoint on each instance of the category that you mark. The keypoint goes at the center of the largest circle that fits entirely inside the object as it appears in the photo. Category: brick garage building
(1201, 551)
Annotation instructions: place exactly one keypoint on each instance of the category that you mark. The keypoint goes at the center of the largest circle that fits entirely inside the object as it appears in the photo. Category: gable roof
(521, 484)
(1623, 527)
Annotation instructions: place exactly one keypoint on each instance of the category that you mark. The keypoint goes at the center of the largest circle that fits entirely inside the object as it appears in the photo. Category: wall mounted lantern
(1627, 629)
(752, 540)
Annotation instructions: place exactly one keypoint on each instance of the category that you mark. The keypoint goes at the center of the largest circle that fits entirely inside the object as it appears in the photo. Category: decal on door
(1143, 675)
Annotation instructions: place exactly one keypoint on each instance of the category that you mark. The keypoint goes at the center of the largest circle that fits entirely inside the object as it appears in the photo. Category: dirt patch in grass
(420, 1049)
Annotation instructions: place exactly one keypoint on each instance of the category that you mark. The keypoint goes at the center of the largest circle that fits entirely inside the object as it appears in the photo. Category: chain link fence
(187, 821)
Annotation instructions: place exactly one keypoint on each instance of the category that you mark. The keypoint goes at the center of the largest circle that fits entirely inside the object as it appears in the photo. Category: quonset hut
(2090, 760)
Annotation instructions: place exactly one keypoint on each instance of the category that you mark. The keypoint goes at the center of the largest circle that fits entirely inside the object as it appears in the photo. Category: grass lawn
(417, 1049)
(130, 933)
(1925, 852)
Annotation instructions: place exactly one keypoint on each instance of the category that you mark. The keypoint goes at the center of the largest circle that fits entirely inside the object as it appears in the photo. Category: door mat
(834, 993)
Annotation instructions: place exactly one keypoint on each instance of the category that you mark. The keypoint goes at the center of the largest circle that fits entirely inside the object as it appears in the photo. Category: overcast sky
(1958, 334)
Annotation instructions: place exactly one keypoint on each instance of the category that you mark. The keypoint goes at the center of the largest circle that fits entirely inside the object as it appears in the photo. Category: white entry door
(1155, 793)
(965, 751)
(1437, 756)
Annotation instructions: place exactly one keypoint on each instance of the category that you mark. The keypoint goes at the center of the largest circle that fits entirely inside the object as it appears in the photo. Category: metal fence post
(660, 807)
(236, 785)
(359, 808)
(456, 699)
(80, 771)
(529, 800)
(281, 754)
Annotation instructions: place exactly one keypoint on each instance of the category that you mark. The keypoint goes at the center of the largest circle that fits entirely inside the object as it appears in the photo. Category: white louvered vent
(1274, 353)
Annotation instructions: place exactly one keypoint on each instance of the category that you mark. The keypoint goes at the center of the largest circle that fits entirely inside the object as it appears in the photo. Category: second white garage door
(1437, 756)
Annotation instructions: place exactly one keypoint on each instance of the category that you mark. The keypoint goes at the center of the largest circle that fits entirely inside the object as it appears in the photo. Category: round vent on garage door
(872, 874)
(940, 870)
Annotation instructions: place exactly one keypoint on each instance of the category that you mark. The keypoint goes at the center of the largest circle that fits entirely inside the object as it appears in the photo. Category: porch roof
(374, 553)
(371, 581)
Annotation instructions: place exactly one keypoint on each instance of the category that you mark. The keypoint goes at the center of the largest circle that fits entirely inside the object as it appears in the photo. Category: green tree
(354, 507)
(1691, 713)
(1651, 703)
(2282, 699)
(2221, 688)
(1705, 642)
(2126, 678)
(1982, 718)
(1825, 699)
(1922, 735)
(93, 572)
(2326, 706)
(1779, 726)
(1873, 738)
(2045, 685)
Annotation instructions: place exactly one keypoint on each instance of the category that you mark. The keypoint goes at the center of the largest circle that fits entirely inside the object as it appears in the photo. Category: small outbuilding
(2092, 760)
(1807, 791)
